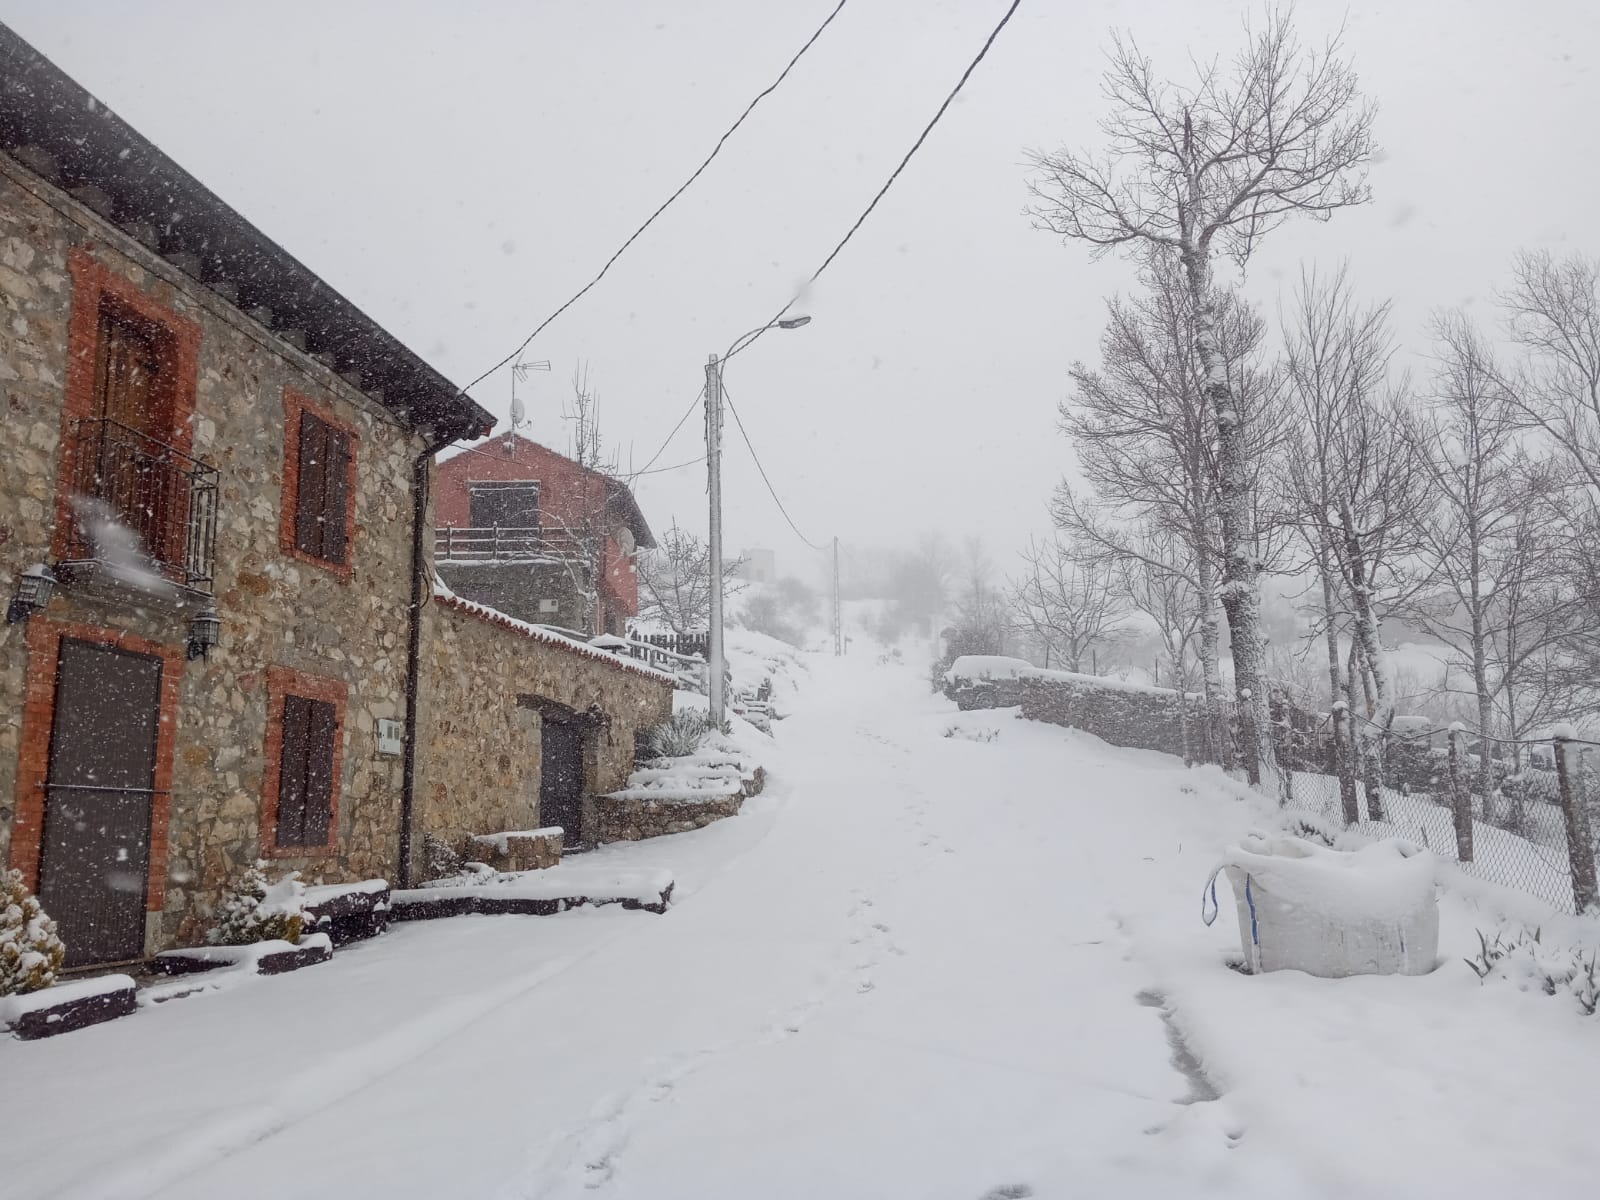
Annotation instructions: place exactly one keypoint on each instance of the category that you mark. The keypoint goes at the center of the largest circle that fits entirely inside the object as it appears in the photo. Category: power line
(895, 174)
(715, 150)
(693, 462)
(771, 491)
(662, 448)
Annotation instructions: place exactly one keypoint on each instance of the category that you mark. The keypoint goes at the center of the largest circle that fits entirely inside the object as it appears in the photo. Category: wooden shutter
(321, 733)
(335, 494)
(127, 366)
(311, 489)
(292, 764)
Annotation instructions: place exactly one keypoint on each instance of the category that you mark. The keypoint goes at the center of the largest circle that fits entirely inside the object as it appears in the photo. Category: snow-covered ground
(918, 965)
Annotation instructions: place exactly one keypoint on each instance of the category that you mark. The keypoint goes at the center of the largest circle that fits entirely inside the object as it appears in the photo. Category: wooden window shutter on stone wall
(335, 496)
(305, 772)
(312, 484)
(323, 491)
(291, 830)
(319, 772)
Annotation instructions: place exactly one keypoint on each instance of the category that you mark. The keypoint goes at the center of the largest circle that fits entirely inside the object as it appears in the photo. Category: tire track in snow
(334, 1079)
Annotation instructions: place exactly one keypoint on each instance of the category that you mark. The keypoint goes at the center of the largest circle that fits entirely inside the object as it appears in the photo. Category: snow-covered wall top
(987, 666)
(449, 599)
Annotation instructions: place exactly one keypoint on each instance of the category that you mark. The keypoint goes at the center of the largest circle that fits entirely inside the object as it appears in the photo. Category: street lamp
(714, 366)
(35, 586)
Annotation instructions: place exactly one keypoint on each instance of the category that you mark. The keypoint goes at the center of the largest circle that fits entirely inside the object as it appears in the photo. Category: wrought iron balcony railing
(142, 504)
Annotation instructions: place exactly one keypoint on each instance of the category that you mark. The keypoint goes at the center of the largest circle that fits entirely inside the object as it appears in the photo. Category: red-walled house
(526, 531)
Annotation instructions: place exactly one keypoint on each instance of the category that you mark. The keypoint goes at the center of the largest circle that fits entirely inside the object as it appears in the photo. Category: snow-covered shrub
(257, 911)
(30, 951)
(680, 735)
(972, 735)
(1523, 959)
(1310, 827)
(440, 859)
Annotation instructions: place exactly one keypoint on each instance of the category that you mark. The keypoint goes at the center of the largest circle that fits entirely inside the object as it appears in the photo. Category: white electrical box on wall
(549, 606)
(391, 737)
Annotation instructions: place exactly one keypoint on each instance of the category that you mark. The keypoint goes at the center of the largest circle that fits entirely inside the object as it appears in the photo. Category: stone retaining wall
(632, 819)
(1123, 715)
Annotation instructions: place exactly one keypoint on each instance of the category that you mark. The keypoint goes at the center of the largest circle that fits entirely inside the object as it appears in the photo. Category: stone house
(216, 532)
(538, 536)
(522, 728)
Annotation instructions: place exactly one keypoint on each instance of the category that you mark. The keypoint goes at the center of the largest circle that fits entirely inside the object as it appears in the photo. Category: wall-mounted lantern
(205, 627)
(35, 586)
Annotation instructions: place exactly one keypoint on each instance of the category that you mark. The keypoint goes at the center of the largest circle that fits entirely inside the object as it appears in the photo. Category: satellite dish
(518, 412)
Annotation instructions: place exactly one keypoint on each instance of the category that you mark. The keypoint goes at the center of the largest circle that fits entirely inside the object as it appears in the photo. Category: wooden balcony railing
(497, 543)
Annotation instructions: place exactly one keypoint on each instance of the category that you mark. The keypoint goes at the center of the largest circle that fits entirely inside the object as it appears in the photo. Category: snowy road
(920, 966)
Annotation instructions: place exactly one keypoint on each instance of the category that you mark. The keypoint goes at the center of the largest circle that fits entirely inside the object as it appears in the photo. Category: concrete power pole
(715, 690)
(838, 611)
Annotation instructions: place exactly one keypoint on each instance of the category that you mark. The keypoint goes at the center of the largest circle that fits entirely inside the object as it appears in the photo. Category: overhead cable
(665, 204)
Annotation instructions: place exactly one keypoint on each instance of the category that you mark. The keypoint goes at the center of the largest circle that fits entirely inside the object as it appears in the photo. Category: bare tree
(675, 580)
(1191, 171)
(585, 517)
(1483, 537)
(1068, 605)
(1146, 441)
(1356, 472)
(980, 620)
(1553, 313)
(918, 585)
(1156, 585)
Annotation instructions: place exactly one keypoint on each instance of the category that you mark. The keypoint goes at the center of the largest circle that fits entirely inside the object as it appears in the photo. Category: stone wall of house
(275, 610)
(484, 678)
(517, 589)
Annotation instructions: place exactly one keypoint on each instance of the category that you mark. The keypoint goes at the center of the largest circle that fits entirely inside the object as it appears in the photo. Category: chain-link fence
(1522, 814)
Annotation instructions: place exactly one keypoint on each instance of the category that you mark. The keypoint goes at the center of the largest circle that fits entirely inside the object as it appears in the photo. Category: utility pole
(838, 621)
(714, 487)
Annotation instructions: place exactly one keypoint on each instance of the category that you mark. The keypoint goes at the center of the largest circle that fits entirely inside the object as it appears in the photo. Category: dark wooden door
(96, 854)
(561, 778)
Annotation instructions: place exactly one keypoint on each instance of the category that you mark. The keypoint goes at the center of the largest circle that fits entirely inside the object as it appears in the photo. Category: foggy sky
(459, 170)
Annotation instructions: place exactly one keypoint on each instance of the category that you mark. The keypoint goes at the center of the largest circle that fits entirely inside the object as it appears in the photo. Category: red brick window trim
(284, 688)
(98, 290)
(38, 720)
(340, 559)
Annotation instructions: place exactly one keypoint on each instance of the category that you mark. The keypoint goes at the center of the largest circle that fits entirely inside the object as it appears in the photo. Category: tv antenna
(519, 415)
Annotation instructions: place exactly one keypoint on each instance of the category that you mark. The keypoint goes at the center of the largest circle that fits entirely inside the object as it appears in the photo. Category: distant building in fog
(760, 566)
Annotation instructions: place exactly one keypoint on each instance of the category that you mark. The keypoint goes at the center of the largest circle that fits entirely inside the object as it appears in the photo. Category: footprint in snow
(1008, 1191)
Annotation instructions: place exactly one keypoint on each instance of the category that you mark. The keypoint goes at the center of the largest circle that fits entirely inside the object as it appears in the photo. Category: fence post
(1460, 798)
(1580, 849)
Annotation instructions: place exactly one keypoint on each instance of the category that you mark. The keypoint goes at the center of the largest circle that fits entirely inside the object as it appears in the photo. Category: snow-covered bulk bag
(1304, 907)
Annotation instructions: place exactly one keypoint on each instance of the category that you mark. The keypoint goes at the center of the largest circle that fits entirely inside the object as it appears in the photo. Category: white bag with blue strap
(1305, 907)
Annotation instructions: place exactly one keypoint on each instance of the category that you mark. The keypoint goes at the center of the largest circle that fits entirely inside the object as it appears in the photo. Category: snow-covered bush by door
(30, 951)
(257, 911)
(679, 736)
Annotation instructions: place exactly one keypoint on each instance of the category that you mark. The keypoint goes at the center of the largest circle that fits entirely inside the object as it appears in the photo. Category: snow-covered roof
(443, 595)
(72, 139)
